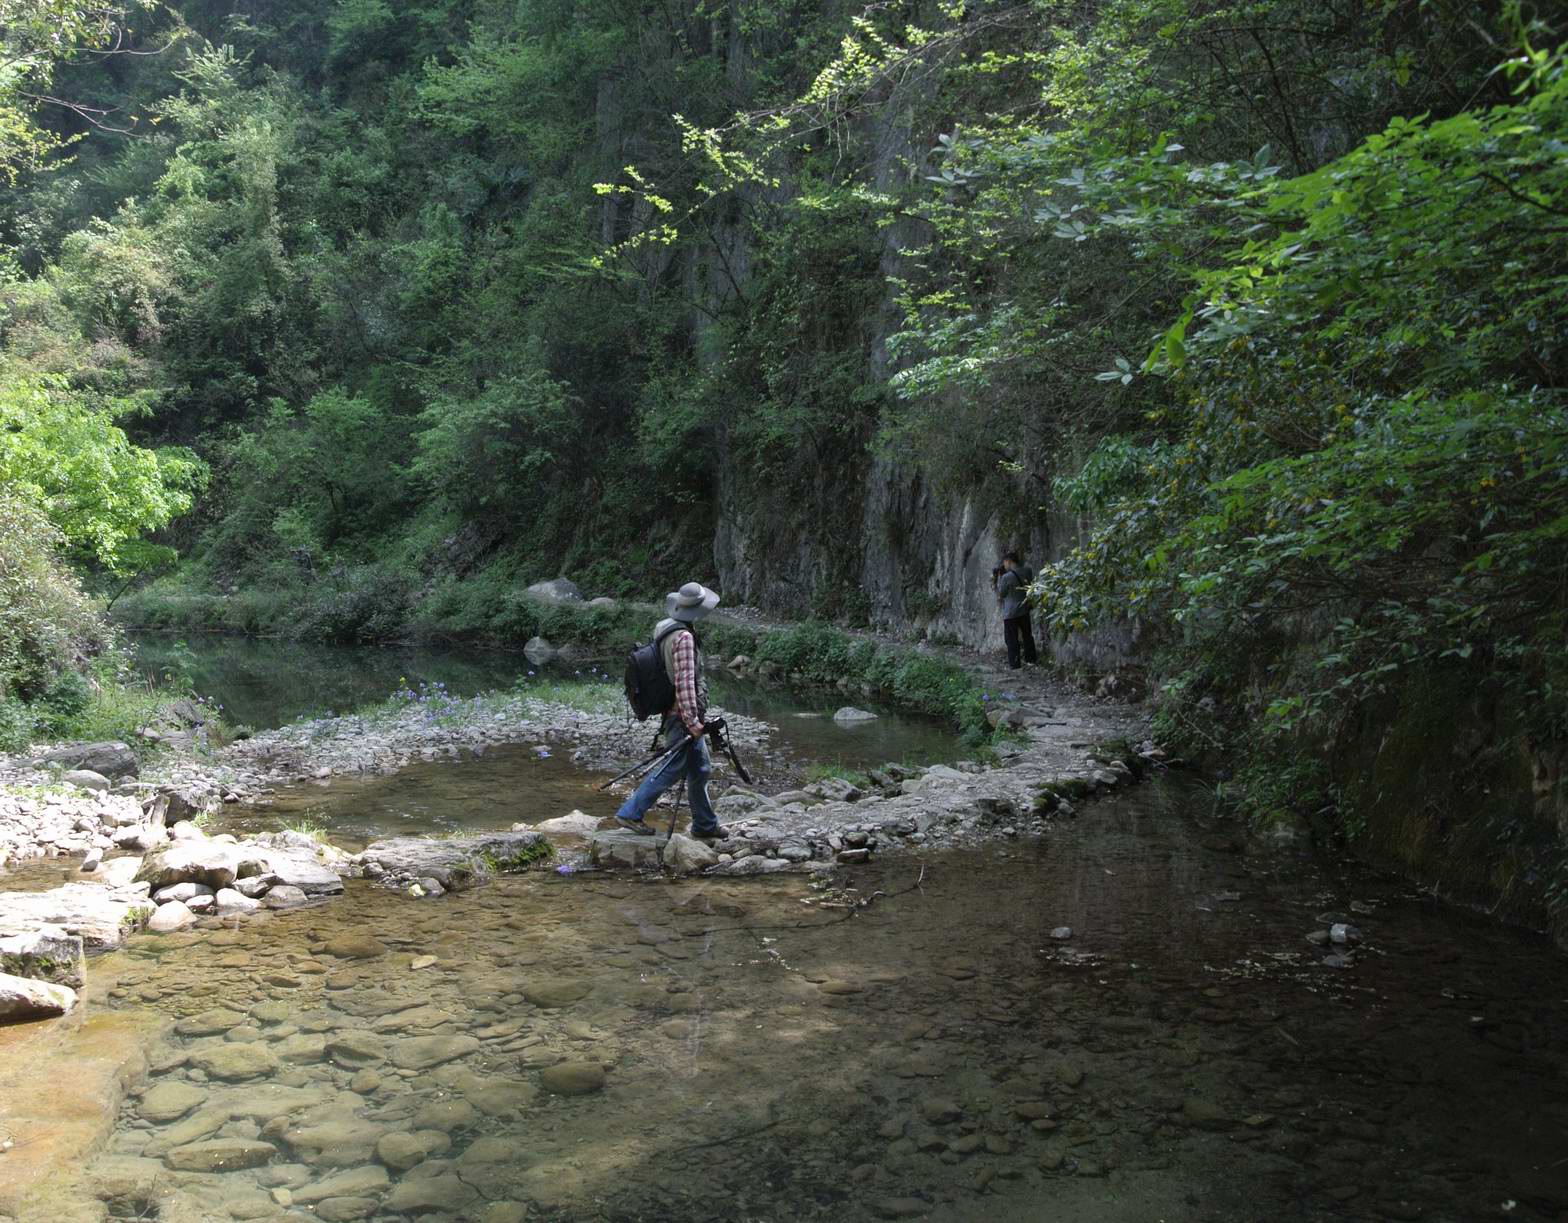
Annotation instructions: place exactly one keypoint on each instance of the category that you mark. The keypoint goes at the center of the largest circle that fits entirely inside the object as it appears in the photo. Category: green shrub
(47, 624)
(16, 725)
(66, 699)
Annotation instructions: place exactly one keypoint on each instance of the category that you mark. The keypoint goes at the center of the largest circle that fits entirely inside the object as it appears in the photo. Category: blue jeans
(691, 762)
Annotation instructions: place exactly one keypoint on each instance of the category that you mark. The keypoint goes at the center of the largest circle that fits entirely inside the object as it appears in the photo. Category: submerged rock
(220, 1155)
(572, 1078)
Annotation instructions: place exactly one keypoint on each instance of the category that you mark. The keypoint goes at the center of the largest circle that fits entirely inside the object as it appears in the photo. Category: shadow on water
(1185, 1055)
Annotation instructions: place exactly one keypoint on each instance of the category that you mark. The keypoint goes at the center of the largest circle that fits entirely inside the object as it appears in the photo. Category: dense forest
(350, 320)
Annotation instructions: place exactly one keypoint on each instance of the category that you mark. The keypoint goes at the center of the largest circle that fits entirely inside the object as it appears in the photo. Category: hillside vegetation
(374, 314)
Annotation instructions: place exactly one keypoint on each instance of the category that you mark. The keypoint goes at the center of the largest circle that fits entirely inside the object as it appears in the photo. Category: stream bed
(594, 1047)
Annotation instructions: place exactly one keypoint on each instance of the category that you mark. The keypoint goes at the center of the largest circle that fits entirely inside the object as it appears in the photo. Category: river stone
(502, 1099)
(573, 823)
(338, 1142)
(209, 1023)
(23, 999)
(109, 759)
(341, 1210)
(169, 1101)
(624, 849)
(428, 1195)
(551, 994)
(270, 1012)
(354, 1050)
(181, 891)
(355, 947)
(370, 1178)
(850, 714)
(572, 1078)
(900, 1208)
(1205, 1114)
(400, 1152)
(425, 1052)
(556, 590)
(285, 896)
(236, 1062)
(167, 918)
(687, 856)
(215, 863)
(293, 867)
(445, 1115)
(492, 1150)
(203, 1123)
(220, 1155)
(303, 1049)
(86, 779)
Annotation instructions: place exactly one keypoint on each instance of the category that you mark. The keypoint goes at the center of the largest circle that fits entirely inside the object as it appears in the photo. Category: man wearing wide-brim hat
(677, 641)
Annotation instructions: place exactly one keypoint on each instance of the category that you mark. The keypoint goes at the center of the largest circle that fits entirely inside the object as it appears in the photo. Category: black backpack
(649, 689)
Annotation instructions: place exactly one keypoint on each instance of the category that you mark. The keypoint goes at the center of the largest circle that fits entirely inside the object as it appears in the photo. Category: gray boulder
(573, 823)
(850, 714)
(557, 590)
(108, 759)
(86, 779)
(687, 856)
(174, 915)
(23, 999)
(291, 868)
(835, 789)
(215, 863)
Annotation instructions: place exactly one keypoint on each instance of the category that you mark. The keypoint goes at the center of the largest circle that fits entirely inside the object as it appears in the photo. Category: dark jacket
(1012, 589)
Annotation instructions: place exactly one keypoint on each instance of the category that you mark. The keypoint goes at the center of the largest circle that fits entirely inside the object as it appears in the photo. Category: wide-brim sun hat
(690, 603)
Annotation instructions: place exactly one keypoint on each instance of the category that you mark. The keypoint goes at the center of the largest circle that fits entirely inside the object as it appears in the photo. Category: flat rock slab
(290, 868)
(456, 862)
(108, 759)
(101, 917)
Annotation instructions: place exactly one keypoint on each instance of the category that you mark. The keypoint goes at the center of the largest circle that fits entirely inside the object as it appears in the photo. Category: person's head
(1010, 560)
(690, 603)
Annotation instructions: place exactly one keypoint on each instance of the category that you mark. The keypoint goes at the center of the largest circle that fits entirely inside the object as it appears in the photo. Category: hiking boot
(641, 827)
(716, 833)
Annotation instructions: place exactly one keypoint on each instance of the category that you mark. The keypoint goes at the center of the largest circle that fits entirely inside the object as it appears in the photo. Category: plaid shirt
(684, 649)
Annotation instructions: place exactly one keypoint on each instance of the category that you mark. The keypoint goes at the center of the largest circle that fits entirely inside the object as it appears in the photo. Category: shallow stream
(1184, 1055)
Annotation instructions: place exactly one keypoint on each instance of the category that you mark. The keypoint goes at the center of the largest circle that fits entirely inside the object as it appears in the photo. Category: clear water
(1184, 1056)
